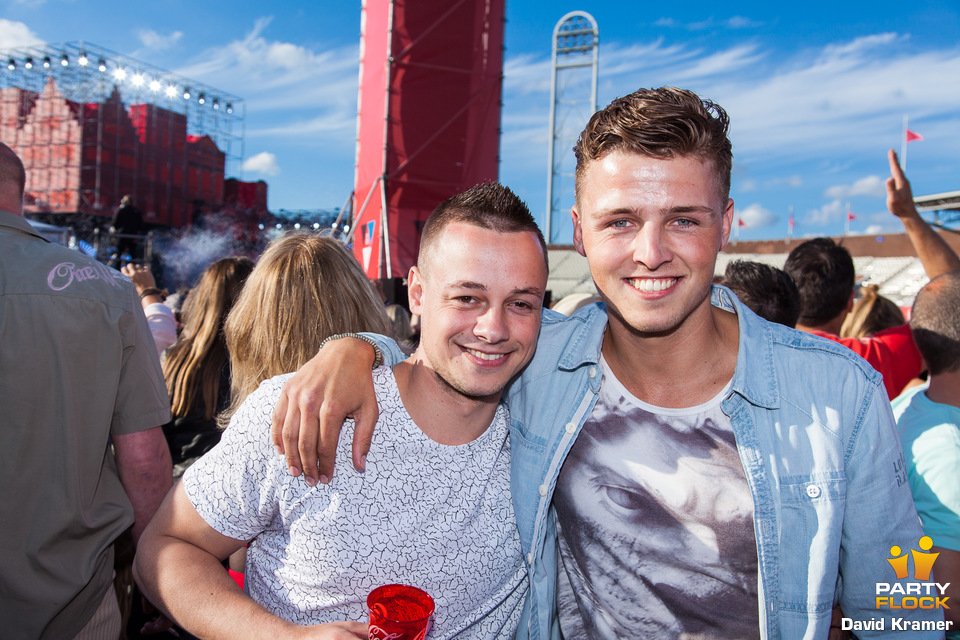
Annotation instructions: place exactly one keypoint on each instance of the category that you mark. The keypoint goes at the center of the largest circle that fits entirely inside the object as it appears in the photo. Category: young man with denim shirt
(681, 467)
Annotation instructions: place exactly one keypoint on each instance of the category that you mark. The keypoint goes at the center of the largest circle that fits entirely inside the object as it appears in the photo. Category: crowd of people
(758, 458)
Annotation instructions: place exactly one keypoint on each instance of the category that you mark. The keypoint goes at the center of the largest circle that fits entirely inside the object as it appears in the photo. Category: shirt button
(593, 372)
(571, 427)
(543, 490)
(813, 490)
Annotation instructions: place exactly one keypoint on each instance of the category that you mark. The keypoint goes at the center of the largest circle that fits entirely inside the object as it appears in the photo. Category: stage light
(82, 61)
(186, 93)
(64, 61)
(28, 63)
(346, 228)
(102, 65)
(155, 85)
(137, 80)
(316, 225)
(216, 103)
(261, 226)
(120, 74)
(201, 99)
(46, 62)
(170, 91)
(229, 108)
(279, 226)
(11, 65)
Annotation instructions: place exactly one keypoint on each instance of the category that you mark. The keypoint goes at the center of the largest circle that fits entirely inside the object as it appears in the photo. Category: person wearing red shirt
(824, 274)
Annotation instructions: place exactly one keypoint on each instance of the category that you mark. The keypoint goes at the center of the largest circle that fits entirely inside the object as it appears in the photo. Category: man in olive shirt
(78, 371)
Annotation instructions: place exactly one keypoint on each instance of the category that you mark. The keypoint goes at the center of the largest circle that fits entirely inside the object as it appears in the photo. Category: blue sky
(816, 91)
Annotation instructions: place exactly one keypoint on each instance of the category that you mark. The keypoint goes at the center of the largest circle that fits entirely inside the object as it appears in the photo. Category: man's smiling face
(651, 229)
(479, 293)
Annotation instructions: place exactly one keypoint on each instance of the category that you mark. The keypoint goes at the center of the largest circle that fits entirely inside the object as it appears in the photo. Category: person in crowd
(871, 313)
(84, 457)
(929, 421)
(127, 224)
(433, 507)
(197, 367)
(823, 272)
(160, 317)
(680, 467)
(767, 291)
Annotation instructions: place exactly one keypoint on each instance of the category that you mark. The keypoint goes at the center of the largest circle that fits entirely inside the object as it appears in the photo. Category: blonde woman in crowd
(871, 313)
(304, 289)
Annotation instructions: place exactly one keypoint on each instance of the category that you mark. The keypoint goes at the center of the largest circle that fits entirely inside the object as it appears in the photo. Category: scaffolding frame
(576, 46)
(85, 74)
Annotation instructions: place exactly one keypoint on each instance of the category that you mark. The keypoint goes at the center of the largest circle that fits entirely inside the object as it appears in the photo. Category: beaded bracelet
(377, 354)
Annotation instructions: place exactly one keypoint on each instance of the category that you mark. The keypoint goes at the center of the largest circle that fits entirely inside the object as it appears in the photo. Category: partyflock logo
(909, 592)
(919, 593)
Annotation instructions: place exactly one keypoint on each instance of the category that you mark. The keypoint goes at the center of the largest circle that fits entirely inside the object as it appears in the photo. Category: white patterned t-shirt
(434, 516)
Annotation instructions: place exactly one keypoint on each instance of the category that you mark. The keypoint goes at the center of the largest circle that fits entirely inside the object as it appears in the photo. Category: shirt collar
(19, 223)
(755, 377)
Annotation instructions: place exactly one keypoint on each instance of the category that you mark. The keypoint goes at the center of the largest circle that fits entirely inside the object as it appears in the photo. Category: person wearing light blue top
(928, 418)
(681, 468)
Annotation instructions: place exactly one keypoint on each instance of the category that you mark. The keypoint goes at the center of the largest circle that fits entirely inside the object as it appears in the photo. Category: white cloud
(278, 79)
(153, 40)
(755, 216)
(741, 22)
(874, 229)
(16, 34)
(264, 162)
(736, 22)
(828, 213)
(869, 186)
(860, 45)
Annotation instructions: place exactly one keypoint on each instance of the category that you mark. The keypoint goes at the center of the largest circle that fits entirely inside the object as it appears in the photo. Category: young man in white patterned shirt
(433, 507)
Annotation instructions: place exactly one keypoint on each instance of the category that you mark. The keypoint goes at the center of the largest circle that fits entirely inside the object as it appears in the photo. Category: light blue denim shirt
(818, 444)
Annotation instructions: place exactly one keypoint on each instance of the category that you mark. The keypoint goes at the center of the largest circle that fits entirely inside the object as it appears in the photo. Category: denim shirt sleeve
(391, 351)
(821, 452)
(880, 515)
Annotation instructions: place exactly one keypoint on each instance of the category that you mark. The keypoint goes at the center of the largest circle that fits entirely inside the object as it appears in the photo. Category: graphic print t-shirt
(656, 524)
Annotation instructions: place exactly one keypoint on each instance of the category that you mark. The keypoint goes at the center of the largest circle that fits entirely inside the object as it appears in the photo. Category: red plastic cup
(399, 612)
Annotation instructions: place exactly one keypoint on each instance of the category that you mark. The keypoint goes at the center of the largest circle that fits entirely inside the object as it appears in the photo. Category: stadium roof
(946, 201)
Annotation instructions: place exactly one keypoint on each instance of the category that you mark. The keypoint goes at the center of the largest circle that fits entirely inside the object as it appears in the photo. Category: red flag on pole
(911, 136)
(741, 223)
(850, 216)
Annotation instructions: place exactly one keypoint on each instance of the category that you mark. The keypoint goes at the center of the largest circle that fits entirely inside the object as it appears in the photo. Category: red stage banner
(429, 118)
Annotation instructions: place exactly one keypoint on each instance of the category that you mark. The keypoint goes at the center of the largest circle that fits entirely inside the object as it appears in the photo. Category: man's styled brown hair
(660, 123)
(488, 205)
